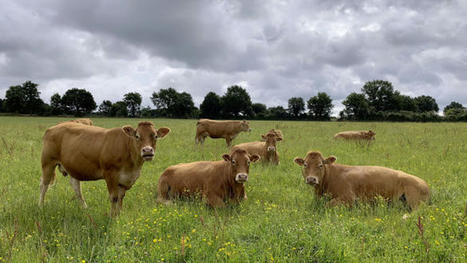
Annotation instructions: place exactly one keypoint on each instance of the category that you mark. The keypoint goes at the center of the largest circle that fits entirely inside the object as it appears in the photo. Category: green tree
(426, 104)
(172, 104)
(78, 102)
(236, 103)
(105, 108)
(356, 107)
(277, 113)
(452, 105)
(381, 96)
(133, 103)
(260, 110)
(406, 103)
(320, 106)
(1, 105)
(24, 99)
(296, 106)
(56, 107)
(119, 109)
(211, 106)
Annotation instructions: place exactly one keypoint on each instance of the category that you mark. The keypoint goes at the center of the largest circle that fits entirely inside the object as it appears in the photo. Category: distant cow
(90, 153)
(85, 121)
(356, 135)
(219, 129)
(266, 149)
(215, 181)
(345, 183)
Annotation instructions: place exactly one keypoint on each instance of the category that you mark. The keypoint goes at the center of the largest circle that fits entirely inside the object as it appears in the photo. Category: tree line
(378, 101)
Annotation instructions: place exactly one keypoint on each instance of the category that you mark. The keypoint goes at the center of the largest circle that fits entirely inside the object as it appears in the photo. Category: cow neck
(133, 153)
(229, 181)
(326, 176)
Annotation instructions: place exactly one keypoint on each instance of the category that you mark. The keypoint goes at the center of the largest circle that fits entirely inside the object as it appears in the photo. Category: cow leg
(228, 140)
(76, 185)
(163, 192)
(113, 188)
(121, 195)
(48, 177)
(215, 201)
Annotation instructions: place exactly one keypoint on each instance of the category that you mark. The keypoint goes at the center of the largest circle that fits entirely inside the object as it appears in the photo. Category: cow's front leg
(215, 201)
(121, 195)
(113, 188)
(228, 140)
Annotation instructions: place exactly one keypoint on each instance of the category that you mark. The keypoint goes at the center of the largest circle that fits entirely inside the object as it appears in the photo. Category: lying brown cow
(89, 153)
(266, 149)
(356, 135)
(219, 129)
(216, 181)
(345, 183)
(85, 121)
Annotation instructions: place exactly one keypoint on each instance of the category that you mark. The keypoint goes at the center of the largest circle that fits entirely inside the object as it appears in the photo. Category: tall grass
(281, 221)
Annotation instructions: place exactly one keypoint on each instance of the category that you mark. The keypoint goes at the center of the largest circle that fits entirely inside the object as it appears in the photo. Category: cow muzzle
(241, 178)
(147, 153)
(271, 149)
(313, 180)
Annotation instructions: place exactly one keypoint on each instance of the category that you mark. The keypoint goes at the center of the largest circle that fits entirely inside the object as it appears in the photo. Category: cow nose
(241, 177)
(311, 180)
(147, 150)
(271, 148)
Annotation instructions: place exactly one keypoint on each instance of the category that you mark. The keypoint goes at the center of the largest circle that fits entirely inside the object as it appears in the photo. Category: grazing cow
(219, 129)
(345, 183)
(356, 135)
(90, 153)
(216, 181)
(266, 149)
(85, 121)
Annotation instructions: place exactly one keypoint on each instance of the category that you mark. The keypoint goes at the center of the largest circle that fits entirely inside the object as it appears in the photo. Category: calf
(345, 183)
(266, 149)
(356, 135)
(90, 153)
(216, 181)
(219, 129)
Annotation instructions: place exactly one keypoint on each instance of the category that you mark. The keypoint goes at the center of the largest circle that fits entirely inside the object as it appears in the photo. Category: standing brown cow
(345, 183)
(266, 149)
(216, 181)
(90, 153)
(356, 135)
(219, 129)
(85, 121)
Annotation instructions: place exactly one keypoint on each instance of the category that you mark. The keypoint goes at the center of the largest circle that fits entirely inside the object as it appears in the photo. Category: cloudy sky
(274, 49)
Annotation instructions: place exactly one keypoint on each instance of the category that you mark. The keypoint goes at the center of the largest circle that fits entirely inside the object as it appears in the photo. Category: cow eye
(305, 165)
(233, 162)
(154, 136)
(248, 163)
(320, 165)
(137, 136)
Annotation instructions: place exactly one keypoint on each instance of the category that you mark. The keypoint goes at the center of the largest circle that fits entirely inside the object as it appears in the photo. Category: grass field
(281, 221)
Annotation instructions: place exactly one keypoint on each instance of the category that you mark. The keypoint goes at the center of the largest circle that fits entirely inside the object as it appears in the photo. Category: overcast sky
(274, 49)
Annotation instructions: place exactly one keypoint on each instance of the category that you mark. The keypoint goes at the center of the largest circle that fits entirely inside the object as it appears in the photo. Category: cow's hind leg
(76, 185)
(47, 178)
(163, 193)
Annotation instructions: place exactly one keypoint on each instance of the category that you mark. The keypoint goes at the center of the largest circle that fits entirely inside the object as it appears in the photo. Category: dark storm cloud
(276, 49)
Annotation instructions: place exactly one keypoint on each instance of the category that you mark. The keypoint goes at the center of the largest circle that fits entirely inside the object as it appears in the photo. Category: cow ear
(331, 159)
(226, 157)
(162, 132)
(254, 158)
(129, 131)
(299, 161)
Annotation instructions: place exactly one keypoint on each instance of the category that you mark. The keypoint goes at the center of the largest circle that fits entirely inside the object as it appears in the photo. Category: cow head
(371, 134)
(270, 139)
(240, 164)
(245, 125)
(145, 137)
(314, 167)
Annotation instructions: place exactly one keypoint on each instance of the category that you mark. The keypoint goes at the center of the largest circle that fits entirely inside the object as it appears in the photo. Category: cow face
(145, 137)
(371, 134)
(314, 167)
(270, 139)
(240, 164)
(245, 126)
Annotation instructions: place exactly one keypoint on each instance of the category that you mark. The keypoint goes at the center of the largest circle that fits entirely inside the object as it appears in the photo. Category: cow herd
(87, 152)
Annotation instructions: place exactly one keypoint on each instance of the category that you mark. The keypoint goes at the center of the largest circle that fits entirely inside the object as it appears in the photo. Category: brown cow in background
(266, 149)
(356, 135)
(345, 183)
(85, 121)
(219, 129)
(216, 181)
(90, 153)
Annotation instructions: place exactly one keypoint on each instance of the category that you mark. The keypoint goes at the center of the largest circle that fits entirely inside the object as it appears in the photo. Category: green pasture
(281, 221)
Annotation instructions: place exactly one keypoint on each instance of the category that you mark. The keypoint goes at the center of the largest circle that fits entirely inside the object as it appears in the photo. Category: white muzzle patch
(241, 177)
(271, 148)
(313, 180)
(147, 153)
